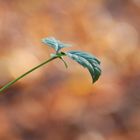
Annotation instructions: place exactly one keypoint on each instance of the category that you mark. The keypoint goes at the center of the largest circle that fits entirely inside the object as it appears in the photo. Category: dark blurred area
(54, 103)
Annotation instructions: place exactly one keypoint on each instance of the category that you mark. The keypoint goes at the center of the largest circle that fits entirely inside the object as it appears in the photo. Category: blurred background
(54, 103)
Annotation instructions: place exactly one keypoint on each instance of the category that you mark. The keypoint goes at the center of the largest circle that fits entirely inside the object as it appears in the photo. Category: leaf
(54, 43)
(88, 61)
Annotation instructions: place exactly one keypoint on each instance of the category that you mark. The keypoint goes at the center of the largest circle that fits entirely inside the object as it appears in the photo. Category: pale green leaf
(54, 43)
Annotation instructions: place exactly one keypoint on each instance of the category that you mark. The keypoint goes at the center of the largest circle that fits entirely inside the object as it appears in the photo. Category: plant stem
(64, 62)
(23, 75)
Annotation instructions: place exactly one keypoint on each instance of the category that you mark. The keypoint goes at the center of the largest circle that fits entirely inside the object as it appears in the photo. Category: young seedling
(85, 59)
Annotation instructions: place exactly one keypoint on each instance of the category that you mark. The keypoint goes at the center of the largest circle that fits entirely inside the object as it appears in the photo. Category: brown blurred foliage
(54, 103)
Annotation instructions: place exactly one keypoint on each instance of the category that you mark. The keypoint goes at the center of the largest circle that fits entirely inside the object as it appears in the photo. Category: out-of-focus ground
(54, 103)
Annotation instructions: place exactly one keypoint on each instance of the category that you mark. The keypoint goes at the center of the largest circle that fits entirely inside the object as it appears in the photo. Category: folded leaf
(56, 44)
(88, 61)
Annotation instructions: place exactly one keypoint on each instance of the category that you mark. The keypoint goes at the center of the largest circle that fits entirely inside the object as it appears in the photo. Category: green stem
(23, 75)
(64, 62)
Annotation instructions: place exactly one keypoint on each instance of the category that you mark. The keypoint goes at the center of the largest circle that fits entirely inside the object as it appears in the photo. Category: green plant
(85, 59)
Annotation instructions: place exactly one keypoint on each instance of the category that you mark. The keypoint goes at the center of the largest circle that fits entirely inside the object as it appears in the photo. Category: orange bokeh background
(54, 103)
